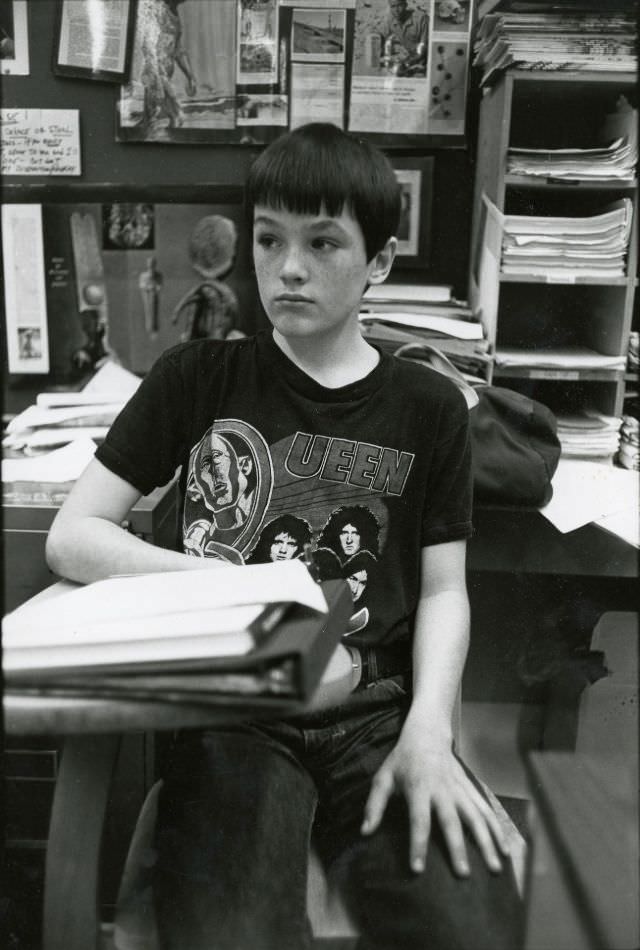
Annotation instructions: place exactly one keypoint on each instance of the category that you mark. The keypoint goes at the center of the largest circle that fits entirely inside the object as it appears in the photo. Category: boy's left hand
(433, 782)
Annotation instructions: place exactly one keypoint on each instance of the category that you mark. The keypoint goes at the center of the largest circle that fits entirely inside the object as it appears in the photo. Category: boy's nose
(294, 265)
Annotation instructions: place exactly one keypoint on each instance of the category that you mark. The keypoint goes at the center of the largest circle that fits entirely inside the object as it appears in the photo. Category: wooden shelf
(541, 109)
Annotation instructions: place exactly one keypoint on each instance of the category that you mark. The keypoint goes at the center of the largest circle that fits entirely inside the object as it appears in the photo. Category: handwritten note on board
(40, 142)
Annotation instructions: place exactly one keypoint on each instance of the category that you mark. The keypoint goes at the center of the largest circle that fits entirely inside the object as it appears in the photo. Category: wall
(105, 160)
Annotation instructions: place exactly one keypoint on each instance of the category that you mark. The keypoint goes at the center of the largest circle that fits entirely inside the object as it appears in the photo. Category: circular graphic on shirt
(229, 485)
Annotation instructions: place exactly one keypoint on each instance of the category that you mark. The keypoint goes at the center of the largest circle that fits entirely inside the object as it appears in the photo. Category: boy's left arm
(422, 766)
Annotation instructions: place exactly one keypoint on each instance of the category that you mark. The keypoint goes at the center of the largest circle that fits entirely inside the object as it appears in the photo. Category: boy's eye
(322, 244)
(266, 240)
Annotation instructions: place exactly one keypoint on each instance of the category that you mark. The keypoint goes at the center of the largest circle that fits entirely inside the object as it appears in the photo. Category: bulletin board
(244, 71)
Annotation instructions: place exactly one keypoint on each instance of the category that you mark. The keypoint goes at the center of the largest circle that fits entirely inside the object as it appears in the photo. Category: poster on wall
(14, 40)
(182, 85)
(242, 71)
(410, 65)
(24, 289)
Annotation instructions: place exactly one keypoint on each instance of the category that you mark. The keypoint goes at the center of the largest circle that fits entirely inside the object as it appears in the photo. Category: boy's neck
(332, 362)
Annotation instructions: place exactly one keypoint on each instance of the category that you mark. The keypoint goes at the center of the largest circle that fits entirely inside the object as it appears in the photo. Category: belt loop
(372, 664)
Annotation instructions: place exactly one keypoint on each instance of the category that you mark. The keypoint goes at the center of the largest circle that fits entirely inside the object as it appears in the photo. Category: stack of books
(589, 435)
(394, 314)
(263, 632)
(629, 453)
(570, 36)
(568, 247)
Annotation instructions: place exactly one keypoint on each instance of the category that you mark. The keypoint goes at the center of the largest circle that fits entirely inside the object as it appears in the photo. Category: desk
(92, 730)
(523, 541)
(583, 882)
(26, 525)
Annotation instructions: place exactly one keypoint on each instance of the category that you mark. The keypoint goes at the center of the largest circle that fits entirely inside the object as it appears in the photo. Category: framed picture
(14, 43)
(94, 40)
(415, 176)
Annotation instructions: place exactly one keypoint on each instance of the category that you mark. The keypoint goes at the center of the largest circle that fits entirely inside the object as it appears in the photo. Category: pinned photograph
(257, 42)
(14, 41)
(451, 16)
(127, 225)
(415, 177)
(318, 35)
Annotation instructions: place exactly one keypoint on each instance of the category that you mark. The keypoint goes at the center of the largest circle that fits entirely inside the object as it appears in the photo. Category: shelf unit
(553, 109)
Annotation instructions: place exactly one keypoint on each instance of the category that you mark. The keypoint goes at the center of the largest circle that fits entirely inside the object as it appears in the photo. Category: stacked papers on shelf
(589, 435)
(609, 163)
(560, 357)
(615, 161)
(568, 247)
(568, 40)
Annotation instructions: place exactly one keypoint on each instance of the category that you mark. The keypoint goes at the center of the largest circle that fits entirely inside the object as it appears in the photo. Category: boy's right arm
(87, 543)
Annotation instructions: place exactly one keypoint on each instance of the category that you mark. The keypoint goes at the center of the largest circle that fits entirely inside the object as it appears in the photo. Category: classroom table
(92, 731)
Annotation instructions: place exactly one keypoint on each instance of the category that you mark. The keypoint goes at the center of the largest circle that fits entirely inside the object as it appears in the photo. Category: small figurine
(150, 284)
(213, 306)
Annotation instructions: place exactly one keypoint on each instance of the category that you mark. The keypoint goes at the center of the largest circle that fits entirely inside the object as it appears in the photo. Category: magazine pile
(211, 635)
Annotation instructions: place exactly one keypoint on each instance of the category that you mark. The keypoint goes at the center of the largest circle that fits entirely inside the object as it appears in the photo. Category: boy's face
(311, 269)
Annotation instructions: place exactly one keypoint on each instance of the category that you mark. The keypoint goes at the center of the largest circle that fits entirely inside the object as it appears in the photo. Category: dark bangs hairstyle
(319, 167)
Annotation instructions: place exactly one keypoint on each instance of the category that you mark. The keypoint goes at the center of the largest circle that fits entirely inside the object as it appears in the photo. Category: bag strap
(426, 353)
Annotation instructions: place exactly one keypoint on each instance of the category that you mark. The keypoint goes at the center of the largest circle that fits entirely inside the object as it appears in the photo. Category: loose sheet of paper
(588, 491)
(40, 142)
(61, 465)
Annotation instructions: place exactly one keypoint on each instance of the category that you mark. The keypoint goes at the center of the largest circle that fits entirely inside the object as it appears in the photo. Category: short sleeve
(449, 492)
(144, 445)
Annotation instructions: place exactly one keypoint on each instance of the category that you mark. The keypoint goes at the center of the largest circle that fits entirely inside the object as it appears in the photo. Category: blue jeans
(236, 815)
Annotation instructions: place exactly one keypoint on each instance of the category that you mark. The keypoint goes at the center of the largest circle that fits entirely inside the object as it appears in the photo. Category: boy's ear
(381, 263)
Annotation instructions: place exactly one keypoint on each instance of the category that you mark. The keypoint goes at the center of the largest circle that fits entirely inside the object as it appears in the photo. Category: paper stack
(589, 435)
(568, 39)
(394, 314)
(615, 161)
(571, 358)
(59, 418)
(568, 248)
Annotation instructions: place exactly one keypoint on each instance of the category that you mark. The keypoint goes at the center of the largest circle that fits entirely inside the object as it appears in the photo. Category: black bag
(514, 439)
(515, 448)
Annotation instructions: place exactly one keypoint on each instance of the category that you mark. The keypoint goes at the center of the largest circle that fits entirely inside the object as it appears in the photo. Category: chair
(135, 925)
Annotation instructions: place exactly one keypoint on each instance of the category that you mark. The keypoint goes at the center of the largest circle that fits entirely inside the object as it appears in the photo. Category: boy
(308, 418)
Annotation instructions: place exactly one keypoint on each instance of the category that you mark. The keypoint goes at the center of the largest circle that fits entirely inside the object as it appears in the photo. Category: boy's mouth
(292, 298)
